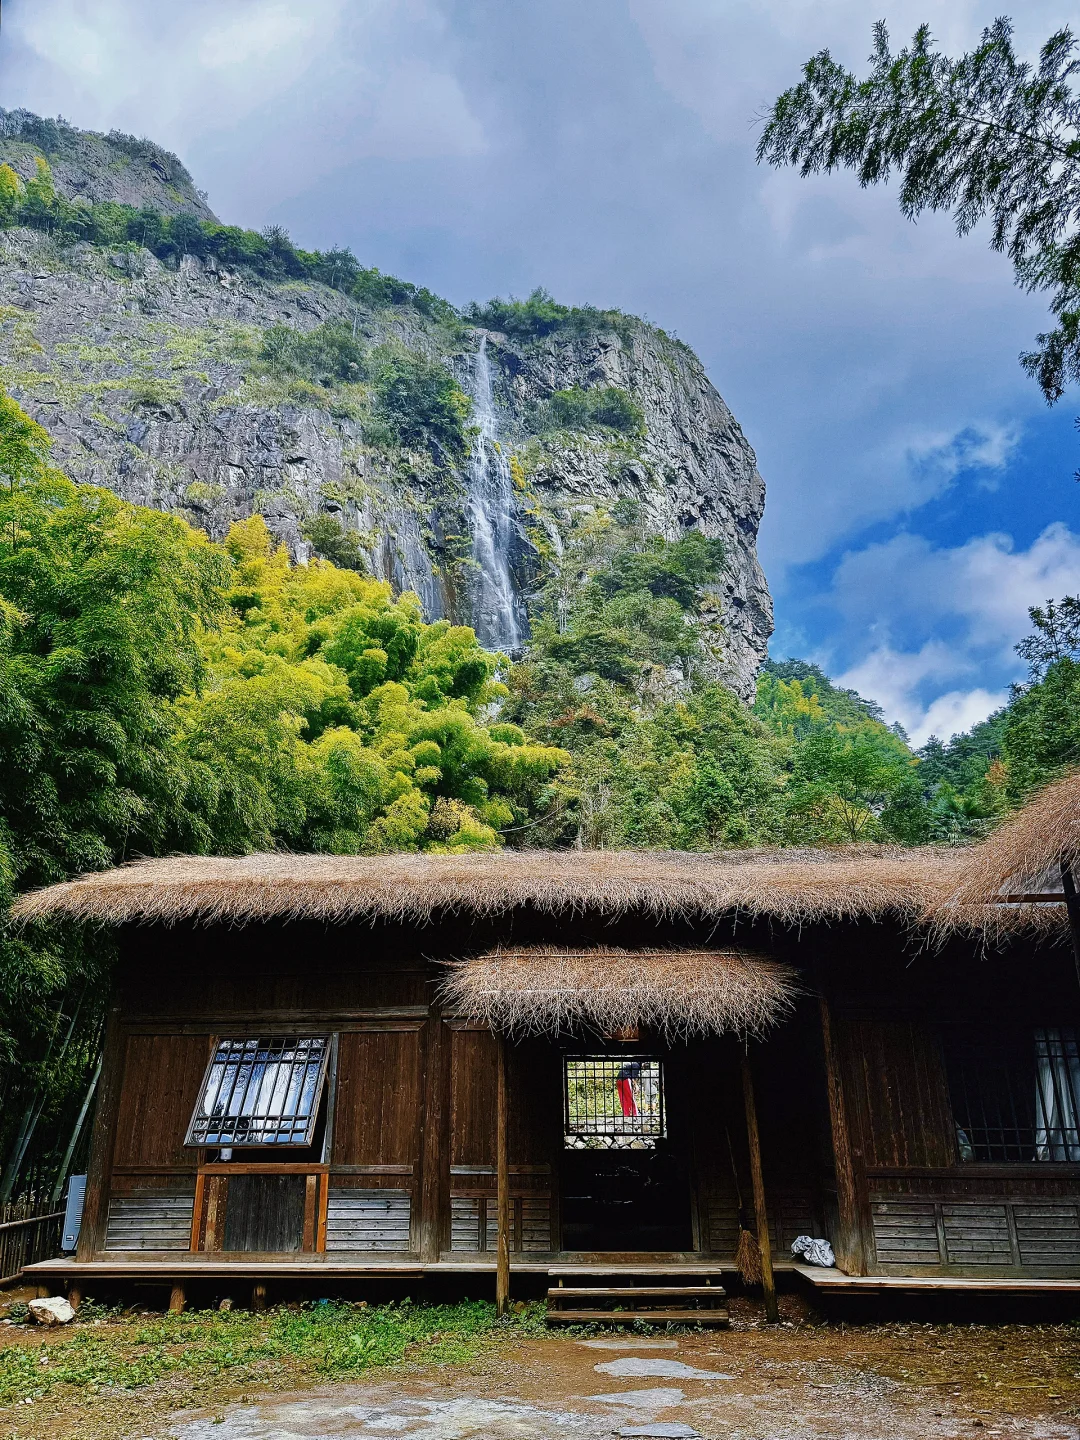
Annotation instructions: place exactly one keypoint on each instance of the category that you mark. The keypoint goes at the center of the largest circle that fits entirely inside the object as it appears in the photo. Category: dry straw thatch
(791, 886)
(1021, 858)
(681, 993)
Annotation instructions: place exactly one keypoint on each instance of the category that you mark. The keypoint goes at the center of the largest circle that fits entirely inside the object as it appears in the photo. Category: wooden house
(590, 1071)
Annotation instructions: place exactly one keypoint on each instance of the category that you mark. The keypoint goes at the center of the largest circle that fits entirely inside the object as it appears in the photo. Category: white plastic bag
(814, 1252)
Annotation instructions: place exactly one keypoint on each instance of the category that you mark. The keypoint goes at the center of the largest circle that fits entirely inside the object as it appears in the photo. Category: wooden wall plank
(894, 1073)
(162, 1075)
(473, 1095)
(379, 1098)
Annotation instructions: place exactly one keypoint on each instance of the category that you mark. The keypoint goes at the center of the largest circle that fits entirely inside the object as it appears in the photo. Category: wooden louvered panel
(535, 1222)
(906, 1232)
(723, 1227)
(976, 1234)
(1047, 1233)
(465, 1223)
(150, 1220)
(474, 1223)
(368, 1220)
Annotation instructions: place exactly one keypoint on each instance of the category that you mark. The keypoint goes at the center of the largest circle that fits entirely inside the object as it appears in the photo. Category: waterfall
(497, 614)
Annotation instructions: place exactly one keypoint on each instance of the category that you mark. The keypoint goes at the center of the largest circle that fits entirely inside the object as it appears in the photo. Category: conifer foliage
(984, 136)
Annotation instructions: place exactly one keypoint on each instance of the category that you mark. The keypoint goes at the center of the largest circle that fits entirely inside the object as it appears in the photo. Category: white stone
(643, 1365)
(53, 1311)
(664, 1430)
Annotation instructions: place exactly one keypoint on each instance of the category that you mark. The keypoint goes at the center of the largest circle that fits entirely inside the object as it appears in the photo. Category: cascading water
(497, 614)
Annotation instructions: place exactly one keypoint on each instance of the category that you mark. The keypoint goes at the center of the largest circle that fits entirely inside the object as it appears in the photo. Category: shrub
(606, 406)
(541, 315)
(422, 403)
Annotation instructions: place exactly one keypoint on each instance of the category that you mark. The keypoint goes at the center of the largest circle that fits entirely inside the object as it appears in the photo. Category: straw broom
(747, 1251)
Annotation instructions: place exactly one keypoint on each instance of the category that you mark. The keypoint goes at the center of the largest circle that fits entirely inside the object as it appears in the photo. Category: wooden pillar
(502, 1181)
(436, 1129)
(1072, 905)
(258, 1296)
(74, 1296)
(103, 1138)
(177, 1298)
(850, 1253)
(768, 1283)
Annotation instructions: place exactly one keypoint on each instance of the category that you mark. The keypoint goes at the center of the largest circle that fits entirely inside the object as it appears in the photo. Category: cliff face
(148, 378)
(89, 166)
(693, 469)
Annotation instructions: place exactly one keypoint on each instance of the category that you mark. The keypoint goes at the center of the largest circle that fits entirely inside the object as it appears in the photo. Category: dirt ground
(803, 1380)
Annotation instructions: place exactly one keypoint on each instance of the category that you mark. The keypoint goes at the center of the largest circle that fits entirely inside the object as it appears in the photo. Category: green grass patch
(328, 1340)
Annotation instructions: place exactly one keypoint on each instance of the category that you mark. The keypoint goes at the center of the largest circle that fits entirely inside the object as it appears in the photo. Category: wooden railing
(29, 1237)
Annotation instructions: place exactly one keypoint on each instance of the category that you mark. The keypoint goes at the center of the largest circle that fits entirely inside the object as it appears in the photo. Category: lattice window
(612, 1102)
(261, 1092)
(1016, 1094)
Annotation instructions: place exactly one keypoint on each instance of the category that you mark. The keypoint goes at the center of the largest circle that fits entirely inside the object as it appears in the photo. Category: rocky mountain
(89, 166)
(215, 392)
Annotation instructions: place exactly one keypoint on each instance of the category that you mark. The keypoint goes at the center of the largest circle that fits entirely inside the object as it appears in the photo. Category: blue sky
(920, 493)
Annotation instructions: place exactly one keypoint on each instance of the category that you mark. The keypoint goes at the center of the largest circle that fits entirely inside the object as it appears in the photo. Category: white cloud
(925, 618)
(292, 88)
(907, 583)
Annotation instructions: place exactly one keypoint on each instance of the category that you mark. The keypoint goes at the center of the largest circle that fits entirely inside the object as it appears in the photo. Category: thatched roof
(681, 993)
(791, 886)
(998, 883)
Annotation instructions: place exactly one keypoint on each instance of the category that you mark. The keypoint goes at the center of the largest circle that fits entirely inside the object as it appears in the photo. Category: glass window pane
(261, 1092)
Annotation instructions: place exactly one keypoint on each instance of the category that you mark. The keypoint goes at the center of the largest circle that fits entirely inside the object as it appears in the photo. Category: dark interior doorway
(625, 1200)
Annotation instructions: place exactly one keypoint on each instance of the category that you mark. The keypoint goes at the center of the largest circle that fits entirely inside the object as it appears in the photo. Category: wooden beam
(103, 1140)
(324, 1210)
(197, 1212)
(311, 1205)
(502, 1182)
(177, 1298)
(768, 1283)
(849, 1247)
(1072, 905)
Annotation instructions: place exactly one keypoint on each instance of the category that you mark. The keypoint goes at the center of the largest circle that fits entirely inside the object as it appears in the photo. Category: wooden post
(177, 1298)
(849, 1247)
(1072, 905)
(768, 1284)
(502, 1171)
(435, 1162)
(74, 1296)
(311, 1205)
(102, 1141)
(258, 1295)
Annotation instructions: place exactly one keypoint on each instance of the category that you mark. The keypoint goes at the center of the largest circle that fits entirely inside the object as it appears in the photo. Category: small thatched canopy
(1012, 881)
(681, 993)
(791, 886)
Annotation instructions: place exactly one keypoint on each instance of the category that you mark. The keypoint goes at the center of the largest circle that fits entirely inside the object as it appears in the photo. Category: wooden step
(632, 1292)
(633, 1317)
(675, 1271)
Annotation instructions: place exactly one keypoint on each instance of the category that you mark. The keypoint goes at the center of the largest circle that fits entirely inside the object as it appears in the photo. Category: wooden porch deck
(181, 1266)
(835, 1282)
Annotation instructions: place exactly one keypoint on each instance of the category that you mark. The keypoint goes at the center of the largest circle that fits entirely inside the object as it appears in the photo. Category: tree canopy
(986, 135)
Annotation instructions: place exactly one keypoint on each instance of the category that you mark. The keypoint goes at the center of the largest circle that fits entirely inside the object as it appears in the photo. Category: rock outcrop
(146, 376)
(89, 166)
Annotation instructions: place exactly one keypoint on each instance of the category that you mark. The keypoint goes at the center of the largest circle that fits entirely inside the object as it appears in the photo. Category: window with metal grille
(261, 1092)
(1015, 1094)
(612, 1102)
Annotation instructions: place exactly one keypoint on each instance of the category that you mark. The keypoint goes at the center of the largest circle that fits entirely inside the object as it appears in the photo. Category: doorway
(624, 1187)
